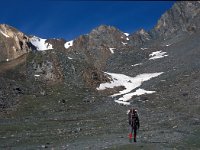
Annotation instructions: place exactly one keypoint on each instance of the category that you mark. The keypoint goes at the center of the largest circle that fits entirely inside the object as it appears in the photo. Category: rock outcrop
(13, 43)
(97, 46)
(139, 38)
(44, 67)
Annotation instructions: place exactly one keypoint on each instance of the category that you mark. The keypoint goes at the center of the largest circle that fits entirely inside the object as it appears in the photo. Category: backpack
(133, 118)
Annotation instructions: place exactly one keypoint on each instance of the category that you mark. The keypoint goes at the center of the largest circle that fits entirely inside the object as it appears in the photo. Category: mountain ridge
(97, 50)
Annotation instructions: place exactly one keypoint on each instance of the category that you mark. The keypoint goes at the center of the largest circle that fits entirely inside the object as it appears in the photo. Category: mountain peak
(107, 35)
(104, 28)
(142, 32)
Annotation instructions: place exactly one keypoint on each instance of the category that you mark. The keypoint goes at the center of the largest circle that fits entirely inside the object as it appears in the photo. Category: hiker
(133, 122)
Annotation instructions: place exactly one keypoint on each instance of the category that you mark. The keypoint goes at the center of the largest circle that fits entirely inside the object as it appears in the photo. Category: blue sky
(69, 19)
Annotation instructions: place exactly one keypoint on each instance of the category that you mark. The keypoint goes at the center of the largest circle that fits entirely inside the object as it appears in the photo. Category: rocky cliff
(183, 17)
(13, 43)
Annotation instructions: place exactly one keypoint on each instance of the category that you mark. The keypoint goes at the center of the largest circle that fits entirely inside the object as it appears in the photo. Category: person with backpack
(133, 122)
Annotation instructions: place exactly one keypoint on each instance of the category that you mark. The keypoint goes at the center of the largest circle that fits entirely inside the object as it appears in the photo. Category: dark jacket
(133, 119)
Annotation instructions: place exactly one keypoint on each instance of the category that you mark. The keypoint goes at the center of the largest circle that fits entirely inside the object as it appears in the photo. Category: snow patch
(157, 55)
(7, 59)
(136, 64)
(122, 102)
(124, 43)
(70, 58)
(138, 92)
(143, 48)
(68, 44)
(127, 34)
(4, 34)
(168, 45)
(40, 43)
(127, 39)
(112, 50)
(147, 38)
(36, 75)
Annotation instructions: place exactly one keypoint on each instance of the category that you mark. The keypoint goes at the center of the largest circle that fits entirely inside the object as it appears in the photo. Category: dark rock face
(139, 38)
(94, 77)
(58, 44)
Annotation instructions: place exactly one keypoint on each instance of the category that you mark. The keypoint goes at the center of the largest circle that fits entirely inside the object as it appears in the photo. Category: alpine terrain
(74, 94)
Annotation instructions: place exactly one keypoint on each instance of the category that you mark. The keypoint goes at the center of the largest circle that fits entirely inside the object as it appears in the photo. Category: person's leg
(135, 134)
(131, 132)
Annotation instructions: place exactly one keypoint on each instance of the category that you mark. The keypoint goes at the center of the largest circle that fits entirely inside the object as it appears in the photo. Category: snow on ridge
(127, 34)
(4, 34)
(112, 50)
(130, 83)
(157, 55)
(68, 44)
(40, 43)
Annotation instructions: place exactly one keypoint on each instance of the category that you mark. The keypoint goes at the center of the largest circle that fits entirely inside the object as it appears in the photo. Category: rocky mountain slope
(69, 89)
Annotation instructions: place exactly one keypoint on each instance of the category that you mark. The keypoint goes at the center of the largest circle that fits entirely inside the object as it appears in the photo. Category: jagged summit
(10, 32)
(142, 31)
(7, 27)
(103, 28)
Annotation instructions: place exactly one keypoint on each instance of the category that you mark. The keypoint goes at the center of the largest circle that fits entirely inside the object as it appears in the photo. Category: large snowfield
(40, 43)
(129, 83)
